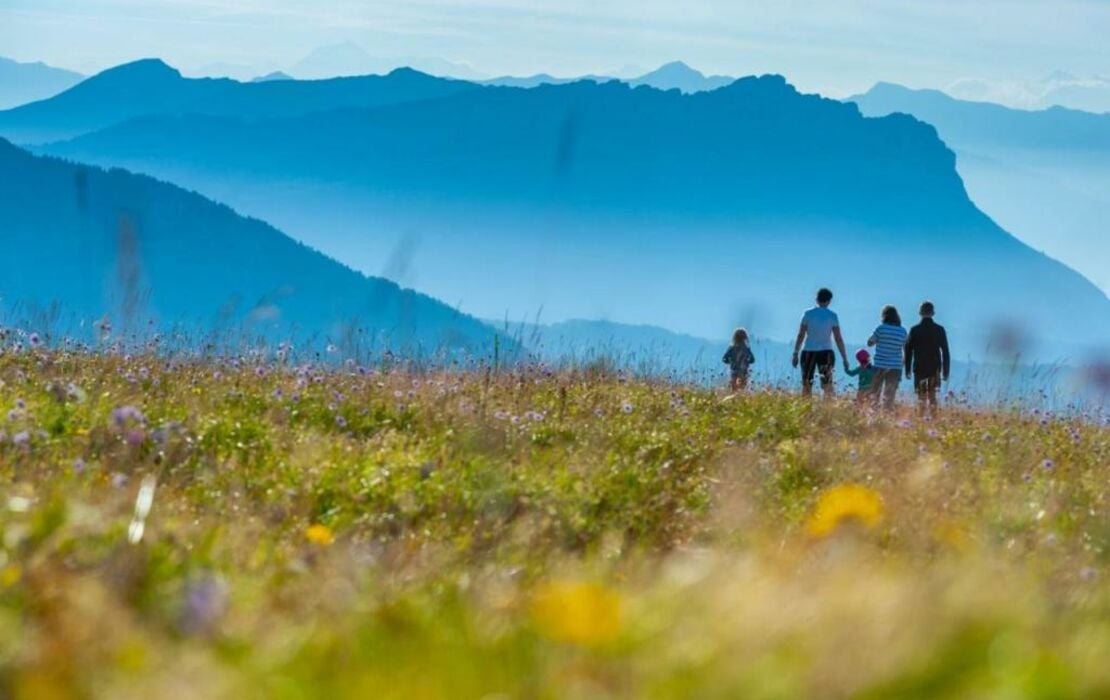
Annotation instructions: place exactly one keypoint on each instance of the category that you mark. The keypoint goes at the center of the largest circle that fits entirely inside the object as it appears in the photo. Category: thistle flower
(128, 415)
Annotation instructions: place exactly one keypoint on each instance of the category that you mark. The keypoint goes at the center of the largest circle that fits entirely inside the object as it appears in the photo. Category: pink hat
(863, 356)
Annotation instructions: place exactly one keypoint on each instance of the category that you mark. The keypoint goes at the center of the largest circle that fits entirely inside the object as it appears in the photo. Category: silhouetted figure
(820, 325)
(928, 360)
(866, 373)
(889, 341)
(739, 359)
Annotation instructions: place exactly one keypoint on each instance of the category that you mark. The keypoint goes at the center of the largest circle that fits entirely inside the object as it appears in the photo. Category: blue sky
(836, 47)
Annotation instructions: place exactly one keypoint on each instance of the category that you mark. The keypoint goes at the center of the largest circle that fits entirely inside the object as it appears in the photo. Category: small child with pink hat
(866, 374)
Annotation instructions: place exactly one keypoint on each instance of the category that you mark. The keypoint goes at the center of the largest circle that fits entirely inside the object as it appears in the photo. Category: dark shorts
(814, 360)
(927, 386)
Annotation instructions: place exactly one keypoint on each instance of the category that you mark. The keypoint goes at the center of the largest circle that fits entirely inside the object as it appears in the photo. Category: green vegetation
(204, 529)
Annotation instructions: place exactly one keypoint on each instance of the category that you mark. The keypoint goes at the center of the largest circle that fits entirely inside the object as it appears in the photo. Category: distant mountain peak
(678, 75)
(144, 69)
(675, 69)
(269, 77)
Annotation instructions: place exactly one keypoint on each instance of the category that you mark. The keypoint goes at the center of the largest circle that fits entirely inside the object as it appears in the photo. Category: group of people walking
(921, 353)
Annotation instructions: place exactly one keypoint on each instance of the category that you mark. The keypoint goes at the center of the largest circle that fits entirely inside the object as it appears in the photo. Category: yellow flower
(846, 502)
(319, 534)
(579, 613)
(10, 575)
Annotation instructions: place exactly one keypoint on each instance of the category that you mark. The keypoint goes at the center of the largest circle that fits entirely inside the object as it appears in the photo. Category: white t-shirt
(819, 322)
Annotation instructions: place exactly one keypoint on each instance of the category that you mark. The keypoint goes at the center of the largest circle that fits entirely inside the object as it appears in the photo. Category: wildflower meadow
(184, 527)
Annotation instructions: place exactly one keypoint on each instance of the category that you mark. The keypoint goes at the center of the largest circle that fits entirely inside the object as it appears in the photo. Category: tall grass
(248, 527)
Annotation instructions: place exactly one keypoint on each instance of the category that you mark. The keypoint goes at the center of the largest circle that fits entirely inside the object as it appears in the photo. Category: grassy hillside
(189, 529)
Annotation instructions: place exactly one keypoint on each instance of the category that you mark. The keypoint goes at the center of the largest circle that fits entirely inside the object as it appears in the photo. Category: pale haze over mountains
(1058, 89)
(691, 212)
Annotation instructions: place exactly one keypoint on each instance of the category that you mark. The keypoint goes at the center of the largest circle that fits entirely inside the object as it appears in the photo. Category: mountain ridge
(131, 247)
(151, 87)
(1045, 173)
(499, 174)
(24, 83)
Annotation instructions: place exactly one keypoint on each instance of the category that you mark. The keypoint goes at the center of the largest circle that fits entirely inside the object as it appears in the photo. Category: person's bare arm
(840, 345)
(798, 343)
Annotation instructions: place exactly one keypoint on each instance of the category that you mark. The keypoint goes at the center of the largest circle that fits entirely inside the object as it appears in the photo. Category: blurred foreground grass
(224, 529)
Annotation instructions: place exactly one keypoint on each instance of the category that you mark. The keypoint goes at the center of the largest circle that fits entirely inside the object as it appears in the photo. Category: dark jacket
(927, 350)
(739, 358)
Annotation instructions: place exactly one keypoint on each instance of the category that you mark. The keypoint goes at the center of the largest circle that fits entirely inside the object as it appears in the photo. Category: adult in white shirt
(819, 327)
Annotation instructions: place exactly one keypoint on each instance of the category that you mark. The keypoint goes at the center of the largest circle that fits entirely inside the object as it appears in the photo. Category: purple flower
(205, 602)
(34, 340)
(341, 421)
(627, 407)
(21, 439)
(125, 415)
(119, 480)
(78, 466)
(1048, 464)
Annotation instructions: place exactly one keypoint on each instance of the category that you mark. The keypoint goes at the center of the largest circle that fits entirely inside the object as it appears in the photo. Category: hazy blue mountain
(1043, 175)
(150, 87)
(671, 76)
(21, 83)
(350, 59)
(275, 75)
(691, 212)
(531, 81)
(679, 76)
(84, 243)
(642, 348)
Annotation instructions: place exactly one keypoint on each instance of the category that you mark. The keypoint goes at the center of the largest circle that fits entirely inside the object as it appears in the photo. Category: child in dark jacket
(739, 359)
(866, 373)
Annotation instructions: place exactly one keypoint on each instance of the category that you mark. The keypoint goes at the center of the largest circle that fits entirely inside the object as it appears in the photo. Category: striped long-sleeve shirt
(889, 341)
